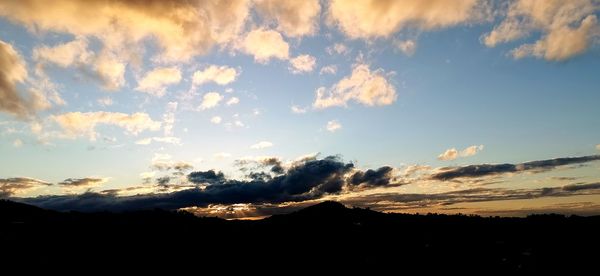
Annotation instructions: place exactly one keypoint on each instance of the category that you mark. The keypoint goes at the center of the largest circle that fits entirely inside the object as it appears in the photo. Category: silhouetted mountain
(327, 235)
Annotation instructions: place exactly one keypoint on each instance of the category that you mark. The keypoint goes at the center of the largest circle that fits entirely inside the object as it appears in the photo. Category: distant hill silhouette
(327, 235)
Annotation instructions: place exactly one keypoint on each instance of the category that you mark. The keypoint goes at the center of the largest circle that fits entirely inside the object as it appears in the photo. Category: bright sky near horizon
(118, 99)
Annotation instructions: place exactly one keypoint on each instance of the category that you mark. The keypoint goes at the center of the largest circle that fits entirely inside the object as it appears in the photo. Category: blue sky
(484, 82)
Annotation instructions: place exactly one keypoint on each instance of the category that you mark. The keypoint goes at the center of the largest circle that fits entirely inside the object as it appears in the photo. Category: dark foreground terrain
(325, 236)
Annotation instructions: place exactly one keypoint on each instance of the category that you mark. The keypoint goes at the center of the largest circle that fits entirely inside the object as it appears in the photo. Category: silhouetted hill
(327, 235)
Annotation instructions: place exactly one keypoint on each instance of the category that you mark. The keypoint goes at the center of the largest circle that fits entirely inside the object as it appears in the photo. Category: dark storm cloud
(210, 177)
(11, 186)
(163, 180)
(81, 182)
(306, 181)
(492, 169)
(379, 177)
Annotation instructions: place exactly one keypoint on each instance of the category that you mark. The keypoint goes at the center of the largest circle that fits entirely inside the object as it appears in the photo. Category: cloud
(408, 47)
(493, 169)
(567, 28)
(298, 110)
(329, 69)
(370, 88)
(75, 124)
(264, 45)
(371, 19)
(13, 71)
(181, 30)
(333, 126)
(293, 18)
(451, 154)
(302, 64)
(169, 118)
(17, 143)
(262, 145)
(598, 147)
(18, 185)
(166, 139)
(216, 120)
(232, 101)
(66, 54)
(210, 100)
(379, 177)
(86, 182)
(156, 81)
(221, 75)
(221, 155)
(312, 179)
(338, 48)
(164, 162)
(106, 101)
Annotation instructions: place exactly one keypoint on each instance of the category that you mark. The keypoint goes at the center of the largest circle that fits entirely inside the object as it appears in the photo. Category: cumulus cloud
(19, 185)
(329, 69)
(105, 101)
(308, 180)
(262, 145)
(221, 75)
(567, 28)
(210, 100)
(371, 19)
(75, 124)
(232, 101)
(408, 47)
(13, 71)
(181, 30)
(493, 169)
(302, 64)
(298, 110)
(264, 45)
(370, 88)
(293, 18)
(216, 120)
(74, 52)
(451, 154)
(338, 48)
(333, 126)
(156, 81)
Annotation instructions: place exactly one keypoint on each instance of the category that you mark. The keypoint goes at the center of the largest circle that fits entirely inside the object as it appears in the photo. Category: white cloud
(221, 155)
(333, 126)
(567, 28)
(265, 44)
(262, 145)
(371, 19)
(232, 101)
(298, 110)
(449, 154)
(453, 153)
(156, 81)
(210, 100)
(216, 120)
(75, 124)
(17, 143)
(293, 18)
(407, 47)
(329, 69)
(166, 140)
(364, 86)
(66, 54)
(338, 48)
(106, 101)
(169, 118)
(221, 75)
(302, 64)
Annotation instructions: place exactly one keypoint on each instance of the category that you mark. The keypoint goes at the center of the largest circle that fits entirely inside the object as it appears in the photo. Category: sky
(243, 109)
